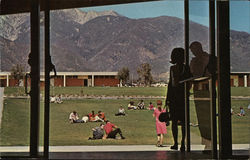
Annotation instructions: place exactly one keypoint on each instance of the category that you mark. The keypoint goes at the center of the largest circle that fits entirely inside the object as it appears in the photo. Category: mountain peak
(10, 25)
(81, 17)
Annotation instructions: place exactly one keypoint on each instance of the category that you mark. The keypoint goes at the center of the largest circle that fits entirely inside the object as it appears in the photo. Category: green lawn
(114, 91)
(138, 126)
(108, 91)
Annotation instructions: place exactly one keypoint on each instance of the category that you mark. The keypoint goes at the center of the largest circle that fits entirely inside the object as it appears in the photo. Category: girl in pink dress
(160, 126)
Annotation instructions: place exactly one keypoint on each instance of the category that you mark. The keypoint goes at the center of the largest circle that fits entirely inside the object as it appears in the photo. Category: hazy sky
(199, 11)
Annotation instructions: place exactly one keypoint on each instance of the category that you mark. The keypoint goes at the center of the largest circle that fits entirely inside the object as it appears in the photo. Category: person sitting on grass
(92, 116)
(52, 99)
(101, 115)
(131, 105)
(58, 99)
(98, 132)
(110, 133)
(141, 105)
(242, 112)
(121, 112)
(151, 107)
(232, 111)
(73, 118)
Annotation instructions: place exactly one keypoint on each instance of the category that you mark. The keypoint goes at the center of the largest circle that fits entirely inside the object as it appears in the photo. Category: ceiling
(22, 6)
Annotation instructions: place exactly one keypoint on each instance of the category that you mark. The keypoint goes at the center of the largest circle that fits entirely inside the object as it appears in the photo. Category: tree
(123, 75)
(17, 72)
(144, 73)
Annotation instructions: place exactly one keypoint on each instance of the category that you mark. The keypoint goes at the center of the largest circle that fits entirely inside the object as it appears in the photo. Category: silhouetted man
(198, 67)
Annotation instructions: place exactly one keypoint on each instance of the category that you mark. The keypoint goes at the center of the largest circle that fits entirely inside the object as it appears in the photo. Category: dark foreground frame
(223, 53)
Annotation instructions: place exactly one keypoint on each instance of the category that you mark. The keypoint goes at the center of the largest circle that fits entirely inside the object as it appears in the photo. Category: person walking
(160, 126)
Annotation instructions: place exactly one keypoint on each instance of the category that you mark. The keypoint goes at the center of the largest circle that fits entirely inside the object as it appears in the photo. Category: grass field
(114, 91)
(108, 91)
(138, 126)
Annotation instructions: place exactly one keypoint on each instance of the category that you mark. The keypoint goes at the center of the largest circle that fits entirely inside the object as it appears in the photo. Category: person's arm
(169, 91)
(154, 114)
(77, 116)
(93, 129)
(113, 126)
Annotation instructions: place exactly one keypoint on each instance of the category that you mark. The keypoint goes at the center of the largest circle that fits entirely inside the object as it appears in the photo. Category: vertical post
(223, 51)
(212, 82)
(187, 110)
(245, 80)
(47, 79)
(7, 83)
(93, 81)
(64, 80)
(35, 77)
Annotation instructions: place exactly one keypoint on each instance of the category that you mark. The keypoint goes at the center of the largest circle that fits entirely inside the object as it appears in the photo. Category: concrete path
(113, 148)
(1, 103)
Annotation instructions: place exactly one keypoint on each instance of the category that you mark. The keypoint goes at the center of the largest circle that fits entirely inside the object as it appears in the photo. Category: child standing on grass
(160, 126)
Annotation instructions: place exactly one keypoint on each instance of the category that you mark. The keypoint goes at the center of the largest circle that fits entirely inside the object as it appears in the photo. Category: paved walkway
(113, 148)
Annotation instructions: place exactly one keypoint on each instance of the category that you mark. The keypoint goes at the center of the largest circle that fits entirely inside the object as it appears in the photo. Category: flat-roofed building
(64, 79)
(240, 79)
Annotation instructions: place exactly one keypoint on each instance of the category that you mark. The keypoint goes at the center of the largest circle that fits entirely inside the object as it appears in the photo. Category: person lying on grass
(85, 118)
(110, 133)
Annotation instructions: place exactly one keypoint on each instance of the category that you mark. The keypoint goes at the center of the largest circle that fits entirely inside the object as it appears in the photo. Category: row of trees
(143, 71)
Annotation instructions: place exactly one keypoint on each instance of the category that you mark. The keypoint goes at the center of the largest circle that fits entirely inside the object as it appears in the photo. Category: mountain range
(106, 41)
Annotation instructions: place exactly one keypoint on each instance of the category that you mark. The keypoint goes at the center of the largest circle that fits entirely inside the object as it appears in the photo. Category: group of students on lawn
(140, 105)
(107, 130)
(111, 130)
(91, 117)
(100, 116)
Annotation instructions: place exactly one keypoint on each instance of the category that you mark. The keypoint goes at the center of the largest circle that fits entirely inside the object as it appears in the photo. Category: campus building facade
(68, 79)
(240, 79)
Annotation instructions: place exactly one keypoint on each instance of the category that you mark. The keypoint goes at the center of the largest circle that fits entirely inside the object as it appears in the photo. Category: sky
(198, 9)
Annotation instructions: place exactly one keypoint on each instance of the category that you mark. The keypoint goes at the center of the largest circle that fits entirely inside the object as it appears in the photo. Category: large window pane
(90, 45)
(240, 76)
(15, 104)
(200, 118)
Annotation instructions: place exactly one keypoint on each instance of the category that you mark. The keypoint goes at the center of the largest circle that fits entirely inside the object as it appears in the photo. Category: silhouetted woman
(176, 95)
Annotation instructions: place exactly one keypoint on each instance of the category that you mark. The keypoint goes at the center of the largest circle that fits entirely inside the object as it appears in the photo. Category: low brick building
(240, 79)
(64, 79)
